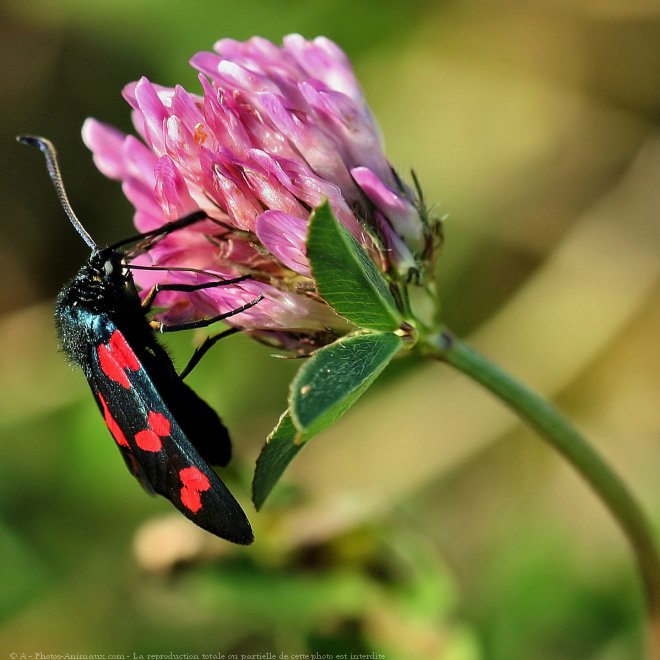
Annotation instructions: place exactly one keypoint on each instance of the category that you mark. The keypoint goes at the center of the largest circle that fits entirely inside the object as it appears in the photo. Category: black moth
(167, 435)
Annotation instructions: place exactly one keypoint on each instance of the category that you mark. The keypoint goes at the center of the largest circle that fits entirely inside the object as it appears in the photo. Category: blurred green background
(428, 523)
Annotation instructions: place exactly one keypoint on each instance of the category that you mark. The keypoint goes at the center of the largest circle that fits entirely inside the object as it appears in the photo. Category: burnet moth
(167, 435)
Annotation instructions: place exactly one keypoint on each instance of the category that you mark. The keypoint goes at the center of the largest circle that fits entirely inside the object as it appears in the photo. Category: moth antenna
(48, 150)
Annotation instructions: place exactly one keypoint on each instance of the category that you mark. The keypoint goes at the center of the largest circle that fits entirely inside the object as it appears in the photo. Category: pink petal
(154, 114)
(236, 199)
(266, 187)
(172, 191)
(279, 310)
(105, 142)
(238, 77)
(284, 236)
(354, 130)
(140, 161)
(398, 252)
(261, 56)
(298, 179)
(400, 212)
(141, 196)
(222, 124)
(324, 60)
(187, 107)
(319, 151)
(206, 63)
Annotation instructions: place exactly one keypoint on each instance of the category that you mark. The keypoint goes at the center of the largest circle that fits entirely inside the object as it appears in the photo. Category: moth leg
(204, 323)
(209, 342)
(201, 350)
(157, 288)
(166, 229)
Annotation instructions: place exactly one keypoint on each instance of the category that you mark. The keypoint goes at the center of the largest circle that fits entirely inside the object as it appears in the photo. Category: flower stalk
(564, 437)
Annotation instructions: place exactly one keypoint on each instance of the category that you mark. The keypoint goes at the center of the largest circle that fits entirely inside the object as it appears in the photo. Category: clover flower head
(274, 132)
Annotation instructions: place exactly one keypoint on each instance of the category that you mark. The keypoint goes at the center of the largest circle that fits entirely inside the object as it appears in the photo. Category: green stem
(556, 429)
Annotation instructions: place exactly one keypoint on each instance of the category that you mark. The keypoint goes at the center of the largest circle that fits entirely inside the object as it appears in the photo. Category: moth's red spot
(110, 368)
(194, 482)
(123, 352)
(194, 478)
(147, 440)
(116, 357)
(159, 423)
(159, 427)
(117, 433)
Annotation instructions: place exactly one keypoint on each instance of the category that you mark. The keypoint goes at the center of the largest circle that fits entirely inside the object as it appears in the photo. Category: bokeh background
(429, 523)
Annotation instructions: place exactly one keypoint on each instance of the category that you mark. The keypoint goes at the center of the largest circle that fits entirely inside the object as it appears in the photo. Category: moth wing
(156, 450)
(199, 421)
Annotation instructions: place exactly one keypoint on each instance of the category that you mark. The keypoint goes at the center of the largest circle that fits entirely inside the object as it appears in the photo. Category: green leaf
(333, 379)
(280, 449)
(346, 277)
(324, 388)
